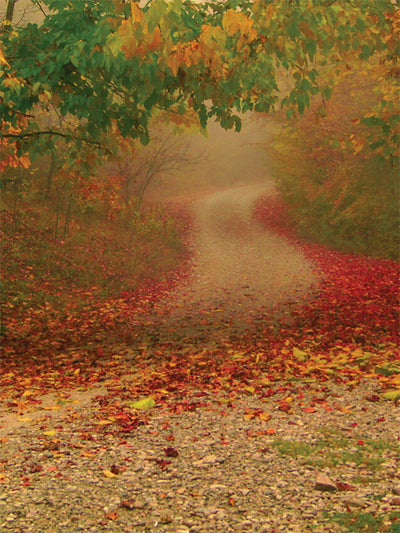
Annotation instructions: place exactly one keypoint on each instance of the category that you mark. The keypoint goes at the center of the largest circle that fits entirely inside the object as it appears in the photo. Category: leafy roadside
(349, 330)
(346, 332)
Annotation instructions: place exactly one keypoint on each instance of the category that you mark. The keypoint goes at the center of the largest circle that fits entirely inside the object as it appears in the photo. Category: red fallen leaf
(36, 468)
(171, 452)
(309, 409)
(360, 442)
(381, 419)
(115, 469)
(112, 515)
(162, 463)
(345, 486)
(284, 406)
(128, 504)
(372, 398)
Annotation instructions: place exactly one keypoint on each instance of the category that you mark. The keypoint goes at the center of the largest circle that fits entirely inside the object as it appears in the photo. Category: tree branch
(50, 132)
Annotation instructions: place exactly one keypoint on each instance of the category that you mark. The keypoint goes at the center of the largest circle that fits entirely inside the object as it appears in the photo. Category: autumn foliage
(341, 186)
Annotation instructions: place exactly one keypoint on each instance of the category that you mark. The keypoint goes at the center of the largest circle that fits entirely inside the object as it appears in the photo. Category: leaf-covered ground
(346, 331)
(118, 415)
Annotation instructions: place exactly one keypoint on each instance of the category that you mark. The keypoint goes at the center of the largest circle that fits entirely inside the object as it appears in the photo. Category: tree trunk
(67, 217)
(10, 10)
(50, 176)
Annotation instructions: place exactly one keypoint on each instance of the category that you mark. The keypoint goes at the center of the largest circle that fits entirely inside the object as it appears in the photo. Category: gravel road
(238, 266)
(239, 270)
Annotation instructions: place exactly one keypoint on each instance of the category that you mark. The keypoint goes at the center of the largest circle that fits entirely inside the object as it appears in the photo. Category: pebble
(243, 485)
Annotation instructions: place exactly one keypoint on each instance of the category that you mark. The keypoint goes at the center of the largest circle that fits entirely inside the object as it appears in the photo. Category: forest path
(239, 270)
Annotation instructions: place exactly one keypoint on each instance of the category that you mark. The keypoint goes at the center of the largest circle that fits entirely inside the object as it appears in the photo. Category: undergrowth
(96, 258)
(340, 191)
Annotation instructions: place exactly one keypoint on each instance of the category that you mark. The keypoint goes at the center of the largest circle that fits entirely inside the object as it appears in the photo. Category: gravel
(209, 468)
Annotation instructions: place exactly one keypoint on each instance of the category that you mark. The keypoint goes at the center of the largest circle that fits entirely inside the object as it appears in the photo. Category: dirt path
(239, 267)
(239, 270)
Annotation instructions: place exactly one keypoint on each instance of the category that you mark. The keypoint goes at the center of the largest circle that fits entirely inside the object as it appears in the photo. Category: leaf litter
(328, 361)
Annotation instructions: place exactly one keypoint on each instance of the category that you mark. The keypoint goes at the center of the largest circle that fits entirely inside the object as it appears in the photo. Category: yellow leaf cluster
(3, 60)
(135, 38)
(234, 22)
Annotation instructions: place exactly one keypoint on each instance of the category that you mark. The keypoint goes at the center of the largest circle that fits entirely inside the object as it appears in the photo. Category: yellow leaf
(49, 433)
(108, 473)
(24, 419)
(3, 60)
(136, 12)
(146, 403)
(392, 395)
(249, 389)
(300, 355)
(103, 422)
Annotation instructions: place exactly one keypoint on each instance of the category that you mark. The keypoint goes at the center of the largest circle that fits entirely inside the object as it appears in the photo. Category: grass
(358, 522)
(336, 451)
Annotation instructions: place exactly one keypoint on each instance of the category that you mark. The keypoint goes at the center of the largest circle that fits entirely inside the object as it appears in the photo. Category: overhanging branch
(51, 132)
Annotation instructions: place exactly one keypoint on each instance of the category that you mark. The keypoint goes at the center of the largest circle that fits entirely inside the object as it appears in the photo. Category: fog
(239, 270)
(222, 159)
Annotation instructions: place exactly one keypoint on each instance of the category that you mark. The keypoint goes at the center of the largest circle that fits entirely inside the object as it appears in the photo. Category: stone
(323, 482)
(355, 502)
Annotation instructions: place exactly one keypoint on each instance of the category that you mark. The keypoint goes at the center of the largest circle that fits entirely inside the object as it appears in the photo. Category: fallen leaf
(108, 473)
(323, 482)
(146, 403)
(171, 452)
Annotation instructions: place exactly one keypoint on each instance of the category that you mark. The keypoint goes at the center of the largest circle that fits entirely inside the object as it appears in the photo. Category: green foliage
(334, 451)
(110, 65)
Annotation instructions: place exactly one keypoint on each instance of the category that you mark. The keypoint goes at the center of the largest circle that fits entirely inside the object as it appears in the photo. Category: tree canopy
(106, 67)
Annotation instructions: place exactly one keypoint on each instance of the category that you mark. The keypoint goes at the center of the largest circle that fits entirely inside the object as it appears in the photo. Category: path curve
(239, 271)
(239, 266)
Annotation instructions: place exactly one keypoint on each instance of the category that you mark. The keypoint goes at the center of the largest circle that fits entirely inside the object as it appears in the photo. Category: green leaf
(155, 13)
(392, 395)
(146, 403)
(311, 47)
